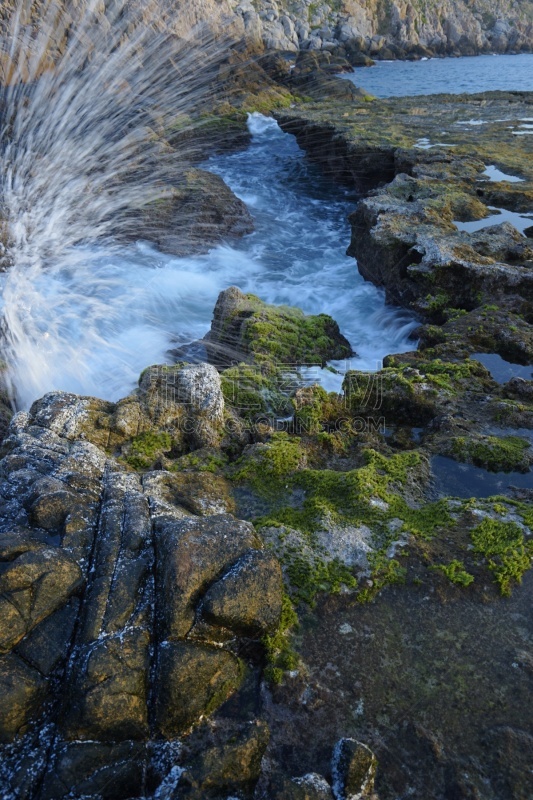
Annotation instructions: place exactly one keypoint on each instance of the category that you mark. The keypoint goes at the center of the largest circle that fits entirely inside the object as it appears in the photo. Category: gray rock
(248, 597)
(353, 769)
(192, 680)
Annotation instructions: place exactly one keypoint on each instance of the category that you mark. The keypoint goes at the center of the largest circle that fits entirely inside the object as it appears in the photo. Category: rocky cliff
(391, 28)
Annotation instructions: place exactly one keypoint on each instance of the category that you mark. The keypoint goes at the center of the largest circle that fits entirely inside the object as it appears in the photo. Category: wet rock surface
(101, 581)
(423, 163)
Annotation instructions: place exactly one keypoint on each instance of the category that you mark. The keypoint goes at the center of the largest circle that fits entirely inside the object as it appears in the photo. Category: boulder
(22, 689)
(191, 554)
(33, 586)
(246, 328)
(248, 598)
(353, 769)
(192, 681)
(232, 765)
(199, 212)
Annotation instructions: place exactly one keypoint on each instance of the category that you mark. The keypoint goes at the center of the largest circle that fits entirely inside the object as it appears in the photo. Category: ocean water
(447, 75)
(91, 322)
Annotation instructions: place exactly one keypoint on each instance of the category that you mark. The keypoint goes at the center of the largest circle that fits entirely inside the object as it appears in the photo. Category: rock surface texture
(388, 29)
(123, 613)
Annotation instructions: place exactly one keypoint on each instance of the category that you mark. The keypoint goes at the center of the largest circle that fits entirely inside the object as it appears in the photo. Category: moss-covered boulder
(245, 328)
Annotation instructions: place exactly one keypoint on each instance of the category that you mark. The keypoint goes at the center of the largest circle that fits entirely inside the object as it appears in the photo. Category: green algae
(145, 448)
(506, 550)
(497, 454)
(280, 655)
(384, 572)
(455, 572)
(253, 390)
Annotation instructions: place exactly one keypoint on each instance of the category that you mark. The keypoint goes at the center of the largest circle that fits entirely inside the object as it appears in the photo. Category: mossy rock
(497, 454)
(244, 326)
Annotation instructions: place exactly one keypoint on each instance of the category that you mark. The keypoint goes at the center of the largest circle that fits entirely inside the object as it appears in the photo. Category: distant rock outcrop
(385, 29)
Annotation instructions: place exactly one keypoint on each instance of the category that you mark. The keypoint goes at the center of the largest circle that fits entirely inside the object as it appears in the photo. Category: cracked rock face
(124, 608)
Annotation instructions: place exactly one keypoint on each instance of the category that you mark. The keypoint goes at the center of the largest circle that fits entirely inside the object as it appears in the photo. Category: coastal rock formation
(102, 586)
(198, 212)
(388, 30)
(246, 328)
(423, 169)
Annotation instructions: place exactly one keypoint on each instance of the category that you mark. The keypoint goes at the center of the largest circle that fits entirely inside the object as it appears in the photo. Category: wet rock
(33, 586)
(108, 698)
(354, 770)
(46, 646)
(245, 328)
(191, 554)
(192, 680)
(404, 235)
(97, 566)
(22, 689)
(309, 787)
(519, 388)
(248, 598)
(230, 766)
(95, 769)
(199, 212)
(513, 750)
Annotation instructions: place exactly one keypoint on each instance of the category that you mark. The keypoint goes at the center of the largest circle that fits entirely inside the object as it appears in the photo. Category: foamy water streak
(84, 100)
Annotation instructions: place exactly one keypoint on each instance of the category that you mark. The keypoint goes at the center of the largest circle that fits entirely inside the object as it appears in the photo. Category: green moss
(455, 572)
(498, 454)
(316, 411)
(145, 448)
(268, 468)
(201, 461)
(385, 571)
(284, 334)
(507, 552)
(254, 390)
(280, 655)
(309, 577)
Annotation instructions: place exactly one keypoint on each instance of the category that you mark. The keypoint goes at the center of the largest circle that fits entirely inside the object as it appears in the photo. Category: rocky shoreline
(158, 554)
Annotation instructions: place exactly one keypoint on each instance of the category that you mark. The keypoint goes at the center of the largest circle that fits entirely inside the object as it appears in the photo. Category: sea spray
(87, 92)
(86, 307)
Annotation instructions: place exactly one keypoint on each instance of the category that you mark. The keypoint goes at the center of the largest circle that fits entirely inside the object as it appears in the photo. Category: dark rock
(191, 554)
(108, 698)
(248, 598)
(22, 688)
(192, 680)
(95, 769)
(519, 388)
(232, 766)
(32, 586)
(309, 787)
(199, 212)
(48, 643)
(354, 770)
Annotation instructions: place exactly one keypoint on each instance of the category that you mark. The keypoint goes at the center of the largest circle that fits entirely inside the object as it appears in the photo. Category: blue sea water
(447, 75)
